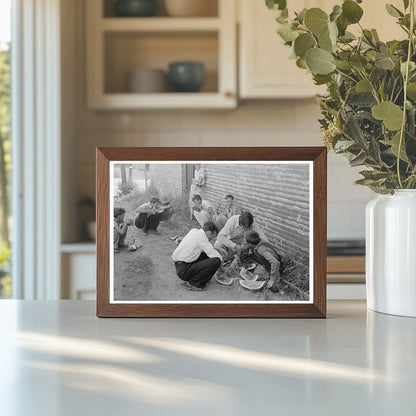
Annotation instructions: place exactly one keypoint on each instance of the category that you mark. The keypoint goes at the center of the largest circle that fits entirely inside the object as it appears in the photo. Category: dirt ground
(148, 274)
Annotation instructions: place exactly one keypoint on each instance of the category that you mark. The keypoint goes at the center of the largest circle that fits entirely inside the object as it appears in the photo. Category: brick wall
(277, 195)
(168, 179)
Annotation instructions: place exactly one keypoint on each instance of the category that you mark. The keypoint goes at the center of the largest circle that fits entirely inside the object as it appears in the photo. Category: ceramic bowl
(135, 8)
(147, 80)
(186, 76)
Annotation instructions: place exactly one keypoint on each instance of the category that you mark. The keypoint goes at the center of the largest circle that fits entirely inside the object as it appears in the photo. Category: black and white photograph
(185, 231)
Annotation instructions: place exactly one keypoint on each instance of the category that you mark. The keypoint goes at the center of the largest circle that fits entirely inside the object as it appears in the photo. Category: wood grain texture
(317, 309)
(346, 264)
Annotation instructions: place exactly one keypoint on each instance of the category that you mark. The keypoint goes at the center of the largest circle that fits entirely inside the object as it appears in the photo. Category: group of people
(227, 236)
(204, 252)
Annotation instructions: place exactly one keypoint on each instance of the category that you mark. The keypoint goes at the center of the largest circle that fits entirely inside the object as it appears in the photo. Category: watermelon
(251, 266)
(252, 284)
(224, 280)
(246, 275)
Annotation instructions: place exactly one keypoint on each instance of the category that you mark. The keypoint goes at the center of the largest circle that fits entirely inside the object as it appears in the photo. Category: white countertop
(57, 358)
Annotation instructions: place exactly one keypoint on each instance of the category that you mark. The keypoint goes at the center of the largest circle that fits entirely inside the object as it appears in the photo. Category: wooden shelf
(346, 264)
(196, 100)
(345, 269)
(160, 24)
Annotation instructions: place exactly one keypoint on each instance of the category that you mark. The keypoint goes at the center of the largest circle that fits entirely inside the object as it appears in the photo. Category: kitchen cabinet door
(265, 69)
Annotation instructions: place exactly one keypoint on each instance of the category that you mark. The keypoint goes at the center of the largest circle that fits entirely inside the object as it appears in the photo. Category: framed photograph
(211, 232)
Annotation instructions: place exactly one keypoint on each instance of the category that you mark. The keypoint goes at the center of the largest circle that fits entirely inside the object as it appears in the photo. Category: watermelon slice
(252, 284)
(224, 280)
(246, 275)
(251, 266)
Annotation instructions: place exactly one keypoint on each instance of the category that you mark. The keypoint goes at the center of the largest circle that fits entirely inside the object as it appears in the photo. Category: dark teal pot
(135, 8)
(186, 76)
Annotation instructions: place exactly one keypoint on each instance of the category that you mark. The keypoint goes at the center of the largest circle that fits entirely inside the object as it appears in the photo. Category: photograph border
(314, 309)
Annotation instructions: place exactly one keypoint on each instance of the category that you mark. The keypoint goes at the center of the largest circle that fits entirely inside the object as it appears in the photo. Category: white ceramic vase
(391, 253)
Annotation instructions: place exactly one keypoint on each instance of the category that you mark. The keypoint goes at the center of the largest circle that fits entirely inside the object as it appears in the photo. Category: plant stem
(346, 75)
(405, 81)
(373, 88)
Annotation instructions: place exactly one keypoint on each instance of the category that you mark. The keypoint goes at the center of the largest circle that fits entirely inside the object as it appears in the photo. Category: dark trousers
(166, 215)
(199, 272)
(247, 257)
(147, 222)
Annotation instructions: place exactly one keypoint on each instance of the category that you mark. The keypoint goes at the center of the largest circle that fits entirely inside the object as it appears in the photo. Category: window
(5, 147)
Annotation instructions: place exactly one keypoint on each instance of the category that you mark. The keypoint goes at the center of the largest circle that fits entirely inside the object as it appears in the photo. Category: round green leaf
(303, 43)
(276, 4)
(342, 25)
(319, 61)
(395, 143)
(363, 86)
(347, 37)
(322, 79)
(336, 12)
(287, 33)
(333, 32)
(358, 61)
(391, 114)
(384, 62)
(316, 20)
(301, 63)
(351, 11)
(344, 65)
(301, 15)
(411, 90)
(325, 42)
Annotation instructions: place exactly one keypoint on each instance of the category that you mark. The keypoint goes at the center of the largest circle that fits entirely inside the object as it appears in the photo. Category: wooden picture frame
(271, 166)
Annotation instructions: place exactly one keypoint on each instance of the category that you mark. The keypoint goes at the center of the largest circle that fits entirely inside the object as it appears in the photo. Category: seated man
(226, 213)
(120, 228)
(196, 260)
(264, 254)
(231, 237)
(167, 209)
(149, 215)
(202, 209)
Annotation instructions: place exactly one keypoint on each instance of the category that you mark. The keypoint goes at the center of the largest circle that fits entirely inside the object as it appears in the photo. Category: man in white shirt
(203, 210)
(196, 260)
(231, 237)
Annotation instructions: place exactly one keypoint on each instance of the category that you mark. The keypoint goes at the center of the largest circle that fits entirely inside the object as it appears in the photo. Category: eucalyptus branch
(346, 75)
(392, 91)
(405, 81)
(397, 95)
(373, 88)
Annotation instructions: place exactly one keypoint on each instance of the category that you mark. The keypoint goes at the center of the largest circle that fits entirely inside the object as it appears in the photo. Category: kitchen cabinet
(118, 45)
(265, 70)
(78, 262)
